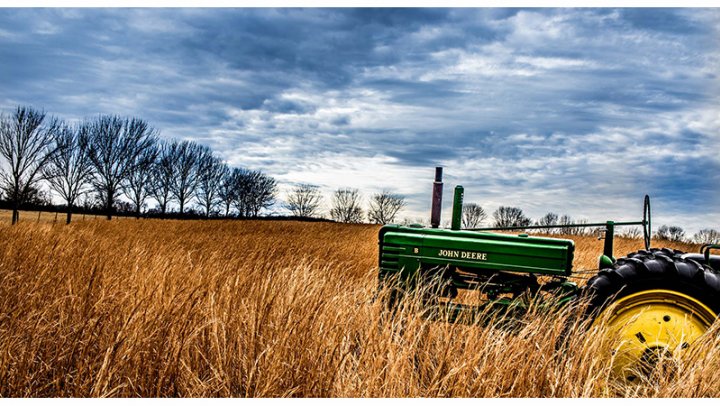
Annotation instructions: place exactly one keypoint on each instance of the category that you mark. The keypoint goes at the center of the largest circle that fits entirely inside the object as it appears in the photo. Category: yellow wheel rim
(652, 324)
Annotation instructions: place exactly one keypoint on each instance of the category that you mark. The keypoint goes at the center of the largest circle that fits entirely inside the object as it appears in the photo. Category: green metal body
(407, 249)
(503, 266)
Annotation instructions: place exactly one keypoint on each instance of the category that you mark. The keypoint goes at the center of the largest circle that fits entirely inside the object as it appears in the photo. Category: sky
(577, 111)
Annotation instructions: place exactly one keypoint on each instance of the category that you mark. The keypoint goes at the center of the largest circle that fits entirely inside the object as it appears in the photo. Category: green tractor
(656, 299)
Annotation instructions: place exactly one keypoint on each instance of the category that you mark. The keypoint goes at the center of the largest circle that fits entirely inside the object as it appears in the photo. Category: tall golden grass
(258, 308)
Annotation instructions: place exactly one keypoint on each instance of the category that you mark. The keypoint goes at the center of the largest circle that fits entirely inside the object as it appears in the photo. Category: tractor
(656, 299)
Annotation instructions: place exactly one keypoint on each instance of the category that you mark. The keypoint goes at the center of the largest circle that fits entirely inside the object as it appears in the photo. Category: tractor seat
(714, 260)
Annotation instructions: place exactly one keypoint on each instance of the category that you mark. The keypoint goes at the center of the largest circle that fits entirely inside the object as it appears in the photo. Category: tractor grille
(389, 258)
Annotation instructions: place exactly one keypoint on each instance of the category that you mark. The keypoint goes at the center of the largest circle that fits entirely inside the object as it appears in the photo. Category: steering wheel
(647, 225)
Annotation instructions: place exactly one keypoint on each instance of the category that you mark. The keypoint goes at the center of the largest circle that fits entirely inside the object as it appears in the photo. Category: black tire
(656, 268)
(646, 274)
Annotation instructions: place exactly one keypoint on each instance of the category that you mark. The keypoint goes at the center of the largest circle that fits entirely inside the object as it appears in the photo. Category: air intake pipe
(457, 208)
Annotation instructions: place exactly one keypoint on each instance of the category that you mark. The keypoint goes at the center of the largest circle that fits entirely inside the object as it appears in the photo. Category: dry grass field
(45, 217)
(273, 309)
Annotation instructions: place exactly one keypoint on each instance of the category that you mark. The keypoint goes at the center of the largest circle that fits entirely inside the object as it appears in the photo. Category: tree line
(94, 163)
(474, 216)
(346, 205)
(109, 157)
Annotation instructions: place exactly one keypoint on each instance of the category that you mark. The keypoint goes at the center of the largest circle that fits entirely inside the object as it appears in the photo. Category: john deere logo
(471, 255)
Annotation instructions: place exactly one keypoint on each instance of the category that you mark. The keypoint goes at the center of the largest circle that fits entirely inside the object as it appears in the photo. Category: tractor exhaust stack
(436, 198)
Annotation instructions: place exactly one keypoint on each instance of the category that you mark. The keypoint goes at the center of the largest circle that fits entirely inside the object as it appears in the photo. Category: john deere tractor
(656, 299)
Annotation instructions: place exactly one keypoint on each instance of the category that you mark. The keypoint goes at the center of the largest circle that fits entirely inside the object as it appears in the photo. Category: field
(45, 217)
(259, 308)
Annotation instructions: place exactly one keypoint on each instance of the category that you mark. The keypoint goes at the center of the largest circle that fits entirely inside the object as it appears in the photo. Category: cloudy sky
(578, 111)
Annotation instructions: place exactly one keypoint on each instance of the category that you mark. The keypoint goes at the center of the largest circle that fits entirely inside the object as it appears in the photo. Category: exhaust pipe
(436, 198)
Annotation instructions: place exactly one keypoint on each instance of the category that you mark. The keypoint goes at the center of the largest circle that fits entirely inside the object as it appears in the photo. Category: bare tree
(228, 190)
(707, 236)
(304, 200)
(69, 170)
(185, 160)
(473, 215)
(211, 173)
(138, 184)
(88, 202)
(384, 207)
(670, 233)
(254, 191)
(26, 143)
(242, 184)
(506, 216)
(631, 232)
(578, 228)
(346, 206)
(37, 197)
(582, 229)
(115, 144)
(566, 220)
(550, 219)
(163, 176)
(259, 194)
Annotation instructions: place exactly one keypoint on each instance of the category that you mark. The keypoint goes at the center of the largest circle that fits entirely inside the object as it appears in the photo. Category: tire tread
(657, 268)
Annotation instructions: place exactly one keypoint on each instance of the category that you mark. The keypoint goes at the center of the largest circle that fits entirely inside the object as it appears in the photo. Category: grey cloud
(574, 109)
(287, 106)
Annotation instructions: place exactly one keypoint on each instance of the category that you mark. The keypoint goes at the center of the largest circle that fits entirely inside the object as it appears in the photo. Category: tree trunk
(16, 204)
(109, 204)
(69, 215)
(15, 213)
(182, 205)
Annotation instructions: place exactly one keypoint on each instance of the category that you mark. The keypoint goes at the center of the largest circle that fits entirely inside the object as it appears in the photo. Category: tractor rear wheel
(656, 303)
